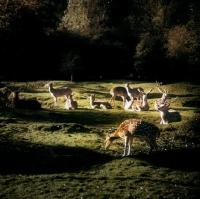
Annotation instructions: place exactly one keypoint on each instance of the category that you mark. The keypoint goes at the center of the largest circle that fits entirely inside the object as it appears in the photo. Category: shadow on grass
(28, 158)
(82, 116)
(179, 159)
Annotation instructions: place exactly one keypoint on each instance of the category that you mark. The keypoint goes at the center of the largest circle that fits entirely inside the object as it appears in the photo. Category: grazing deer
(168, 115)
(5, 93)
(57, 92)
(138, 105)
(98, 104)
(118, 91)
(71, 104)
(135, 129)
(163, 99)
(24, 103)
(133, 92)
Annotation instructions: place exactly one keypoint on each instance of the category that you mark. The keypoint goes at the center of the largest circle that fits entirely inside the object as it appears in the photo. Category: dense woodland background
(91, 39)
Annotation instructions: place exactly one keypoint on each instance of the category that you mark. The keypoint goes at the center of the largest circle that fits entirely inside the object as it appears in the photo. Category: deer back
(135, 128)
(119, 91)
(61, 91)
(133, 92)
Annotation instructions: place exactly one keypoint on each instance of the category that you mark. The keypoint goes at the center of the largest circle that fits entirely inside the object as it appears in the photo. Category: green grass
(59, 153)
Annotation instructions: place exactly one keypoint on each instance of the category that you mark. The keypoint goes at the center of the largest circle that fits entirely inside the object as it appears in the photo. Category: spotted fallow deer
(119, 91)
(138, 105)
(135, 129)
(133, 92)
(98, 104)
(58, 92)
(163, 99)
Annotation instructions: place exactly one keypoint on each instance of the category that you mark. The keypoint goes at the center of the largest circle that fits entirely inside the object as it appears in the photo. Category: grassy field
(59, 153)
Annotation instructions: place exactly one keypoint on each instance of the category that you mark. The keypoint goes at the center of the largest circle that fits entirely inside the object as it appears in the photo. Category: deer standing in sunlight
(58, 92)
(98, 104)
(135, 129)
(133, 92)
(118, 91)
(138, 105)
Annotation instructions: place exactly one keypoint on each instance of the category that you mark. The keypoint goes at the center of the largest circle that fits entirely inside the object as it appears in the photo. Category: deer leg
(112, 99)
(150, 145)
(126, 141)
(124, 100)
(129, 146)
(154, 145)
(55, 101)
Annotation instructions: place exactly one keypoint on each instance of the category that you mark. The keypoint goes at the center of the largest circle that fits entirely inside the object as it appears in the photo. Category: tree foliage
(71, 62)
(134, 36)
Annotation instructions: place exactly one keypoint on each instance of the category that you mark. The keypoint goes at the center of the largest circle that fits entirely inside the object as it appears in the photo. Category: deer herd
(134, 99)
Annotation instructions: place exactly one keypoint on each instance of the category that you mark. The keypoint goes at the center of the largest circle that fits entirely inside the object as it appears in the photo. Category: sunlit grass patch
(59, 153)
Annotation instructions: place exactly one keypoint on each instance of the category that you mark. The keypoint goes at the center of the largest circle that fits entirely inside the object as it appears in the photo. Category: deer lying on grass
(138, 105)
(133, 92)
(24, 103)
(118, 91)
(135, 129)
(98, 104)
(58, 92)
(163, 99)
(5, 93)
(71, 104)
(168, 115)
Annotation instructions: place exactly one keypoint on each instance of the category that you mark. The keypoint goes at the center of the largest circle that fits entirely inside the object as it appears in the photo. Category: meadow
(58, 153)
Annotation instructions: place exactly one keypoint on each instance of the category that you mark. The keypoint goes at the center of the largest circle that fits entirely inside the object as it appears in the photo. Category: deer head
(165, 95)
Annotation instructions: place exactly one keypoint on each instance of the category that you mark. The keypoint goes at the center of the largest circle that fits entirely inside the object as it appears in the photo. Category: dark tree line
(86, 39)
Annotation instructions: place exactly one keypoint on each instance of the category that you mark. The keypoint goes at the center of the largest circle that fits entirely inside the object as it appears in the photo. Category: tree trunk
(72, 77)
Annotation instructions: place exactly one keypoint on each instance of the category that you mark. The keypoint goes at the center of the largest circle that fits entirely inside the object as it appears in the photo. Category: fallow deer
(58, 92)
(119, 91)
(71, 104)
(5, 93)
(135, 129)
(168, 115)
(23, 103)
(133, 92)
(163, 99)
(138, 105)
(98, 104)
